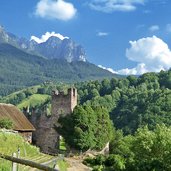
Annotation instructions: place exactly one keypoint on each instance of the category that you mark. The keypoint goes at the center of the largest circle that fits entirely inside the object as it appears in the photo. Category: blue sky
(126, 36)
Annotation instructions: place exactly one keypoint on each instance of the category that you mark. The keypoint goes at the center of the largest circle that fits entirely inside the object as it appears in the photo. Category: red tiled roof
(20, 122)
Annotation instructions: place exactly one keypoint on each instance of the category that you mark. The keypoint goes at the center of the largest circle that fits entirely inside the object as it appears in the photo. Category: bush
(99, 160)
(115, 161)
(89, 161)
(6, 123)
(98, 168)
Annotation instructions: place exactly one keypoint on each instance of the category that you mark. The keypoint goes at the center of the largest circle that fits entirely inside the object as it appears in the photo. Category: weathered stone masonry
(45, 136)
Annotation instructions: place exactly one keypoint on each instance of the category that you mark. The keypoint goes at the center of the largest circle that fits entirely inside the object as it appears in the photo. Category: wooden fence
(27, 163)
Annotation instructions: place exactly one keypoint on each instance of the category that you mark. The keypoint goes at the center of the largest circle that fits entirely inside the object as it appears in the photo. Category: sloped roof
(20, 122)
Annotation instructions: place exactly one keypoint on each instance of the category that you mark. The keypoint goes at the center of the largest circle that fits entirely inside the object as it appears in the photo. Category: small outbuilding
(20, 123)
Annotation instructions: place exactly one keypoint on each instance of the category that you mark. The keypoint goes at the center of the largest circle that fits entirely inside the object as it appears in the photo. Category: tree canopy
(86, 128)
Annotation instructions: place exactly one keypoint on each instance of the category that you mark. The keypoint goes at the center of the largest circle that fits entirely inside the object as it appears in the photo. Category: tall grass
(62, 165)
(10, 143)
(5, 165)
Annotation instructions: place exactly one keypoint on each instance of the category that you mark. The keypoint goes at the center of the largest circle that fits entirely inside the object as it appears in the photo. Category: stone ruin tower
(64, 104)
(46, 136)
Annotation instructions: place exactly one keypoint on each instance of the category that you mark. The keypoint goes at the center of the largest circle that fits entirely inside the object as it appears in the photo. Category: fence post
(18, 156)
(14, 165)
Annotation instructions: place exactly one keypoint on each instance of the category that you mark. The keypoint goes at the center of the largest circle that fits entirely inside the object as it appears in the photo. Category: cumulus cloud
(102, 34)
(55, 9)
(109, 6)
(138, 70)
(154, 28)
(151, 54)
(46, 36)
(108, 69)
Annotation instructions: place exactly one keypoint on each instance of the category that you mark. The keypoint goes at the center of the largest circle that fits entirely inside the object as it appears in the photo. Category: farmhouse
(20, 123)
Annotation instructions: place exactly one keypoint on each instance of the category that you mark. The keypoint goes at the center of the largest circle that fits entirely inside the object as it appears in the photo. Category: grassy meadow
(11, 142)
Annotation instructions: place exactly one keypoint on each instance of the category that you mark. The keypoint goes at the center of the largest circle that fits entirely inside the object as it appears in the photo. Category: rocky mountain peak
(55, 47)
(51, 45)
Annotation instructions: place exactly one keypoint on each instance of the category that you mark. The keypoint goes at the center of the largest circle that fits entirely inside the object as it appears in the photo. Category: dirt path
(76, 165)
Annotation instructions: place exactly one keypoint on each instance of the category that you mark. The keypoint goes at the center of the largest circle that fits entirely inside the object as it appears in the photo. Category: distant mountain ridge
(19, 69)
(53, 48)
(26, 63)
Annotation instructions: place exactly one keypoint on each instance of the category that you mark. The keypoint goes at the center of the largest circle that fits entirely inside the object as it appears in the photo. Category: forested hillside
(20, 69)
(131, 103)
(140, 110)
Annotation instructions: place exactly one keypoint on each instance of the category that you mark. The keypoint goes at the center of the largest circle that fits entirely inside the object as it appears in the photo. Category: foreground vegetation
(11, 142)
(146, 150)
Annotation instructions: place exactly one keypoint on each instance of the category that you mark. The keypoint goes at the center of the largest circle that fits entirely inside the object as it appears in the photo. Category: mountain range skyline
(50, 46)
(124, 36)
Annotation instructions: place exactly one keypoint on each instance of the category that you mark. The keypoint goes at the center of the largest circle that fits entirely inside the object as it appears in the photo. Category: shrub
(6, 123)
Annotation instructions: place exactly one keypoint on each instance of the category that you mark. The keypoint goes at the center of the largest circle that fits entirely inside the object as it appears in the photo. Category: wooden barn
(20, 123)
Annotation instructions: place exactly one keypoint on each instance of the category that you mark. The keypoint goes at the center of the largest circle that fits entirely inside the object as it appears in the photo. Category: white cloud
(102, 34)
(46, 36)
(154, 28)
(109, 6)
(55, 9)
(138, 70)
(152, 55)
(108, 69)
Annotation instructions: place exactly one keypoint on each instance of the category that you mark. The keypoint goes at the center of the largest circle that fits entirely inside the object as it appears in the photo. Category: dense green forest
(20, 69)
(140, 111)
(131, 102)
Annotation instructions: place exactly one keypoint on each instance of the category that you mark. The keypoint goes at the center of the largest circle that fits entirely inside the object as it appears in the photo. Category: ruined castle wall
(45, 136)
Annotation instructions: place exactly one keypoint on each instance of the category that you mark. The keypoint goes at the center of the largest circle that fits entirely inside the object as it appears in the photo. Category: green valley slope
(19, 69)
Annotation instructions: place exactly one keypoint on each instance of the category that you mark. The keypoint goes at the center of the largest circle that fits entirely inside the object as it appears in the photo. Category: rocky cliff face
(60, 49)
(52, 48)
